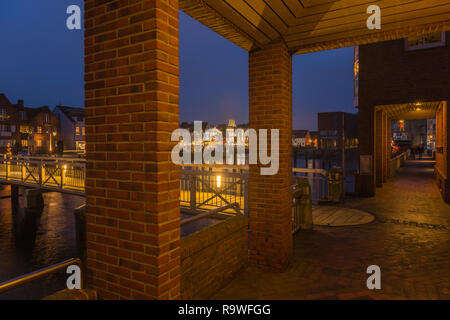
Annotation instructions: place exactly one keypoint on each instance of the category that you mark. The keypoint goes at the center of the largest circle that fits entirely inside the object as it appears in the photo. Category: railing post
(41, 168)
(62, 175)
(245, 194)
(193, 191)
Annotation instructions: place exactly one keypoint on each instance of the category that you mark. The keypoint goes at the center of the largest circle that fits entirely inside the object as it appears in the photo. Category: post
(343, 154)
(132, 186)
(193, 191)
(270, 196)
(14, 196)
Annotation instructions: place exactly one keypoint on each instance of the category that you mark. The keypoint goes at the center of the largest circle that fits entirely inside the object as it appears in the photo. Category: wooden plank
(407, 20)
(322, 7)
(254, 18)
(336, 17)
(295, 7)
(282, 10)
(263, 9)
(359, 17)
(227, 12)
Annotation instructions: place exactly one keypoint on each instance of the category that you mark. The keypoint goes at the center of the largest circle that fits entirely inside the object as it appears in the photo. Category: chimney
(20, 103)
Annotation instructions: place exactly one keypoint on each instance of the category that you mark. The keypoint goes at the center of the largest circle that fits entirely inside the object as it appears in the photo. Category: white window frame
(442, 43)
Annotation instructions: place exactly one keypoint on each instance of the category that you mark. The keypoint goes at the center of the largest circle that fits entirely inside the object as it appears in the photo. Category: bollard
(335, 186)
(34, 199)
(303, 204)
(80, 232)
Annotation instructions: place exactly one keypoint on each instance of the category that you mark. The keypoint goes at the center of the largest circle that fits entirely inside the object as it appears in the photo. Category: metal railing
(210, 187)
(207, 214)
(19, 281)
(58, 174)
(206, 187)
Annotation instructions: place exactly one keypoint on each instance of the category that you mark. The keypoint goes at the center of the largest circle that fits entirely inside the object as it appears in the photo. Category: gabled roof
(33, 112)
(4, 100)
(71, 112)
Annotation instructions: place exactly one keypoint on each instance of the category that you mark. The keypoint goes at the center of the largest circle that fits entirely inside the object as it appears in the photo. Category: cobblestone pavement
(409, 240)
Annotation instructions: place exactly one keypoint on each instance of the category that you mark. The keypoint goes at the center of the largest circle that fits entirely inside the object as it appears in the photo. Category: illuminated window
(24, 143)
(39, 129)
(2, 114)
(83, 131)
(431, 40)
(39, 143)
(77, 131)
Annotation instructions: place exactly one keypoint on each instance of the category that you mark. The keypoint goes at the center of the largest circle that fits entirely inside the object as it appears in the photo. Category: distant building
(332, 124)
(301, 138)
(72, 127)
(315, 136)
(36, 130)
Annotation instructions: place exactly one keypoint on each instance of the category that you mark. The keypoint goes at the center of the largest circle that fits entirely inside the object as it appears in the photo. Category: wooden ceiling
(411, 111)
(316, 25)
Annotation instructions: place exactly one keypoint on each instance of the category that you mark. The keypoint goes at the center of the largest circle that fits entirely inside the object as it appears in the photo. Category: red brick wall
(212, 257)
(132, 188)
(270, 197)
(391, 75)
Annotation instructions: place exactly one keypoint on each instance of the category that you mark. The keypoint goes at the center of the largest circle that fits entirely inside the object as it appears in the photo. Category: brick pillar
(388, 151)
(132, 188)
(366, 133)
(379, 145)
(446, 132)
(385, 147)
(270, 197)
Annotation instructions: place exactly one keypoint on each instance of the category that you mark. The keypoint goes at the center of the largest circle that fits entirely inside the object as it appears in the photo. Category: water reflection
(30, 240)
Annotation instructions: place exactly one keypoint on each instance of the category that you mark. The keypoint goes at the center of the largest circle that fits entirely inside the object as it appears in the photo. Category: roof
(71, 112)
(4, 100)
(299, 133)
(32, 112)
(316, 25)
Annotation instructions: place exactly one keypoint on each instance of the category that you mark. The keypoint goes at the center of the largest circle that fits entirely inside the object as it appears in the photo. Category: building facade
(72, 127)
(405, 79)
(24, 129)
(301, 138)
(332, 125)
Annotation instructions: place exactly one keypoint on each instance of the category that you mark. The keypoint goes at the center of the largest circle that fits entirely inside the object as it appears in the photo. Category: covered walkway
(408, 240)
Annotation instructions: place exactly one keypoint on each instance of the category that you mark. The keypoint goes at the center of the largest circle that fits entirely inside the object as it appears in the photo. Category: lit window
(24, 143)
(431, 40)
(39, 143)
(77, 131)
(39, 129)
(2, 114)
(83, 131)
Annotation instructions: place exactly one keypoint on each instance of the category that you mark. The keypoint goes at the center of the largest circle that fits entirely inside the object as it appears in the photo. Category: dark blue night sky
(41, 62)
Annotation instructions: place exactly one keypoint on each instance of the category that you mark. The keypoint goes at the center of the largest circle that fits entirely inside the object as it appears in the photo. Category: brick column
(270, 197)
(385, 147)
(446, 129)
(388, 151)
(366, 133)
(379, 143)
(132, 188)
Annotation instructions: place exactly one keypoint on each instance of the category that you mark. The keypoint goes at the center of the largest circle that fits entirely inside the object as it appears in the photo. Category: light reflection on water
(32, 241)
(36, 240)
